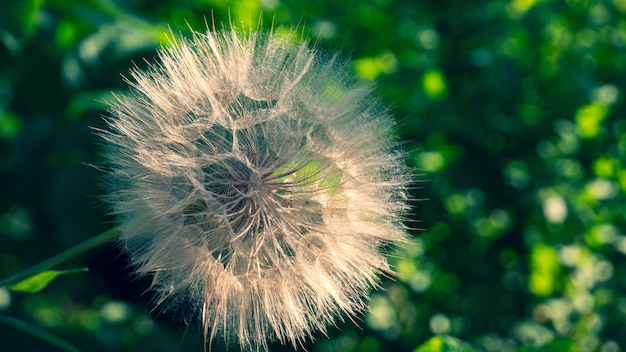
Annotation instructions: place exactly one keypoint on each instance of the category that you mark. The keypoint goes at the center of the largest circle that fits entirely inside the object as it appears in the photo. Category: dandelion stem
(93, 242)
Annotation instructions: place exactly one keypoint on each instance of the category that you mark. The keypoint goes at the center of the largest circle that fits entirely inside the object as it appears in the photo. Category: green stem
(39, 332)
(95, 241)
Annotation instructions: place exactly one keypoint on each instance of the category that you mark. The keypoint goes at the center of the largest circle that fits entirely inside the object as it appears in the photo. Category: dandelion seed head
(255, 185)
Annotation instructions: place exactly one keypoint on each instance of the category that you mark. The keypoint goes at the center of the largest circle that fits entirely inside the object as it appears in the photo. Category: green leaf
(444, 344)
(39, 281)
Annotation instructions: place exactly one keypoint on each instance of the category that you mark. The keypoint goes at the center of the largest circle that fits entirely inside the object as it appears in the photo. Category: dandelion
(255, 185)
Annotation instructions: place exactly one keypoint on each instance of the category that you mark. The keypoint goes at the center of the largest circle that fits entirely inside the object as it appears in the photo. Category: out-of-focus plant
(512, 109)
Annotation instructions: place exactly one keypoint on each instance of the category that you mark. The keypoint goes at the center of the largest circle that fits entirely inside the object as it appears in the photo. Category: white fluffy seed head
(255, 186)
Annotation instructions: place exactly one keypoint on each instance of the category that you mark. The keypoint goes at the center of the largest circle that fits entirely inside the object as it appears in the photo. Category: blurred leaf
(544, 270)
(83, 102)
(38, 332)
(520, 7)
(589, 119)
(39, 281)
(19, 17)
(10, 125)
(434, 84)
(367, 68)
(444, 344)
(556, 345)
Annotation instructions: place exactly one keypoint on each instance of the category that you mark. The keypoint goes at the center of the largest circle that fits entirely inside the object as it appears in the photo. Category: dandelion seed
(255, 186)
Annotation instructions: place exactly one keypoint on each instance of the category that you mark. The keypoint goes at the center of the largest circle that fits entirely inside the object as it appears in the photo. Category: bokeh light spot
(116, 311)
(544, 270)
(439, 324)
(589, 118)
(554, 209)
(16, 223)
(434, 84)
(10, 125)
(382, 314)
(431, 161)
(428, 38)
(5, 298)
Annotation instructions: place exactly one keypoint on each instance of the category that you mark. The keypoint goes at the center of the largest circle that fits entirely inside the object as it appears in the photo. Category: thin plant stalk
(38, 332)
(68, 254)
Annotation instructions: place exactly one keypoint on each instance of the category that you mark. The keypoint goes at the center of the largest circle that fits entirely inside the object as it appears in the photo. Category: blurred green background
(512, 112)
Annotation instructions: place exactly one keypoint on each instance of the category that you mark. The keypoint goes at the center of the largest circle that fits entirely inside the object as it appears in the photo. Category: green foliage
(444, 344)
(39, 281)
(557, 345)
(19, 17)
(512, 112)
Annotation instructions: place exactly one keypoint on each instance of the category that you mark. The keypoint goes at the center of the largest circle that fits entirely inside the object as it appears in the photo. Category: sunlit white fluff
(255, 185)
